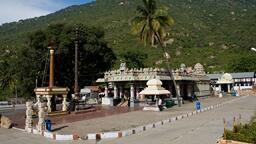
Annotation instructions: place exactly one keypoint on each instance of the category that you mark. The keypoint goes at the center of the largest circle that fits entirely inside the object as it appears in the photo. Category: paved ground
(17, 115)
(129, 120)
(204, 128)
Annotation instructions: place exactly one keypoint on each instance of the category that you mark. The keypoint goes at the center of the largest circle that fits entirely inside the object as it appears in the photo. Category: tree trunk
(169, 69)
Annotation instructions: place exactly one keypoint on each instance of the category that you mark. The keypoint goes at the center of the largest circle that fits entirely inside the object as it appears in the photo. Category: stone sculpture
(29, 113)
(41, 117)
(5, 122)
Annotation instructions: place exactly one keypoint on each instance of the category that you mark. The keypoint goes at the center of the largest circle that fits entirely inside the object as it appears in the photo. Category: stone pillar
(64, 103)
(106, 91)
(178, 89)
(48, 97)
(38, 99)
(137, 92)
(120, 92)
(115, 91)
(131, 95)
(228, 88)
(41, 117)
(219, 87)
(29, 113)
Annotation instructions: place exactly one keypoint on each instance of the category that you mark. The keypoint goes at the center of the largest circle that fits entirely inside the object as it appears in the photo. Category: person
(160, 103)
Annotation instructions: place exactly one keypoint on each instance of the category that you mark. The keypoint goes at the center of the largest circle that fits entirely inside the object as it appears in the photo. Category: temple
(127, 83)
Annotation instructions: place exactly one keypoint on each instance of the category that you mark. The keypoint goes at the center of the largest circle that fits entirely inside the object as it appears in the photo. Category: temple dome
(154, 82)
(227, 76)
(226, 79)
(199, 69)
(198, 66)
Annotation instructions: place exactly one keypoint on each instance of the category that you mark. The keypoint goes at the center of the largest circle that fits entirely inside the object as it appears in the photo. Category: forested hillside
(216, 33)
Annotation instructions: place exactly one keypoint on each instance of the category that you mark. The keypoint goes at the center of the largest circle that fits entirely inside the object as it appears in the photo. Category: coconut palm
(151, 25)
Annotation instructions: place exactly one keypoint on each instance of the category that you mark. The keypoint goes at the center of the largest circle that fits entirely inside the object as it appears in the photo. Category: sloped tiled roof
(234, 75)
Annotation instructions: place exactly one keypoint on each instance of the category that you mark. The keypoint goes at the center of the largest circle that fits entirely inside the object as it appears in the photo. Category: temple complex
(127, 83)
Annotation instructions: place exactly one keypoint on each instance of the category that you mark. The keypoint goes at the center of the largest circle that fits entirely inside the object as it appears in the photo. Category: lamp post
(51, 76)
(76, 89)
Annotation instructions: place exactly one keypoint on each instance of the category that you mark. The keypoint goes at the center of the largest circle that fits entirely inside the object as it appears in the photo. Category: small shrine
(51, 91)
(155, 90)
(225, 83)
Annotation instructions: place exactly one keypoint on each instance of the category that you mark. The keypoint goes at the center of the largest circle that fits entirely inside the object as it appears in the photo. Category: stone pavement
(18, 116)
(131, 119)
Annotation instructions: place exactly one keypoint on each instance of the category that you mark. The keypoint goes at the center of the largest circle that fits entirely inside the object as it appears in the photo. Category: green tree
(151, 25)
(95, 57)
(7, 73)
(244, 64)
(134, 59)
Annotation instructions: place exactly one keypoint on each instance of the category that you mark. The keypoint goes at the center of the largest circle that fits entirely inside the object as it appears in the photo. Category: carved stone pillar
(120, 92)
(115, 91)
(38, 98)
(131, 95)
(106, 91)
(219, 87)
(48, 97)
(29, 113)
(41, 117)
(228, 88)
(64, 103)
(137, 92)
(178, 89)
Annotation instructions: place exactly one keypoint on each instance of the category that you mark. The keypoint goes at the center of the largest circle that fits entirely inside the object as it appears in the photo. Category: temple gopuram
(127, 83)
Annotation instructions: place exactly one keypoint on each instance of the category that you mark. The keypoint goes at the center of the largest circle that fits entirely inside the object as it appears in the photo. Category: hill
(216, 33)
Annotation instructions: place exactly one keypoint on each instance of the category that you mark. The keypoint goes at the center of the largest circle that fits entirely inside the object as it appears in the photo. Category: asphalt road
(204, 128)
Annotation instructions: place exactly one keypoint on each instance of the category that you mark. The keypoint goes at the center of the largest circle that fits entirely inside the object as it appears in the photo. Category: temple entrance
(224, 87)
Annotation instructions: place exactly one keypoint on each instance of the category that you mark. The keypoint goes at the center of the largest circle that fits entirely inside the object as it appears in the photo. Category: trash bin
(197, 105)
(169, 103)
(48, 124)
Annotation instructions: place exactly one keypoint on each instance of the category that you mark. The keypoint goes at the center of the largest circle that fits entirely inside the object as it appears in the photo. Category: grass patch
(242, 132)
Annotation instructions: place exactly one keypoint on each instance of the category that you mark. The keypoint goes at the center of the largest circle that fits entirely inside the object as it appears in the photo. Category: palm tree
(151, 26)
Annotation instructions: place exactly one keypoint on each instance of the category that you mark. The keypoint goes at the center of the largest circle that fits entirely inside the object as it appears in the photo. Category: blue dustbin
(197, 105)
(48, 124)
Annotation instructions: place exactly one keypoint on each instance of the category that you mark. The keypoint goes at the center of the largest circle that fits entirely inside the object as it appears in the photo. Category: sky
(15, 10)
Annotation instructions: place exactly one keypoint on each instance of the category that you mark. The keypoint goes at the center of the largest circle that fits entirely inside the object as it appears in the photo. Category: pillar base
(107, 101)
(132, 103)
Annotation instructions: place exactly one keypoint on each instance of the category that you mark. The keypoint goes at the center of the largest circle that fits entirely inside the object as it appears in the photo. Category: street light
(253, 49)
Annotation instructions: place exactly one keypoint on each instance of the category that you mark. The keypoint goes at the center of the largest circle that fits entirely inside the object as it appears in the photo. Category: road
(204, 128)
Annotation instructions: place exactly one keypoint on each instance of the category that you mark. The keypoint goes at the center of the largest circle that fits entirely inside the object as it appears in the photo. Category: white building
(225, 82)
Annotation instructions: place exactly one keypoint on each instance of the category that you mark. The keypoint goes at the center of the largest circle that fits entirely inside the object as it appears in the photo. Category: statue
(41, 117)
(29, 113)
(122, 66)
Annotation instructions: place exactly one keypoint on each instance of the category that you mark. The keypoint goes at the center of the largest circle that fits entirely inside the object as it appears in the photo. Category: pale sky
(14, 10)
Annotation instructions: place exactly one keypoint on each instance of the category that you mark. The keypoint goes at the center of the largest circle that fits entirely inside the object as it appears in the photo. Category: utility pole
(76, 89)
